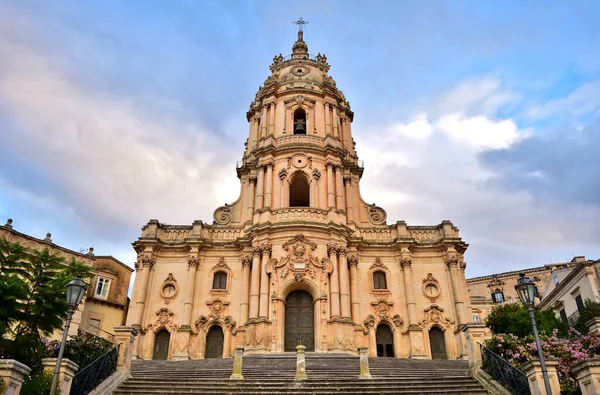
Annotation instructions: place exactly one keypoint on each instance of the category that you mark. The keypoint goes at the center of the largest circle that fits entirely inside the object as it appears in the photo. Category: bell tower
(300, 151)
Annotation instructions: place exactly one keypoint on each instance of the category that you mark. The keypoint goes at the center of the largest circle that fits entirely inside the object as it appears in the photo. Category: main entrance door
(161, 345)
(437, 343)
(385, 341)
(214, 343)
(299, 321)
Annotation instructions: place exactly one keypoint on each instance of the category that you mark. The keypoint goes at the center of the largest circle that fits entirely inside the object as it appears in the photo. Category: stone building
(299, 257)
(486, 292)
(106, 302)
(570, 287)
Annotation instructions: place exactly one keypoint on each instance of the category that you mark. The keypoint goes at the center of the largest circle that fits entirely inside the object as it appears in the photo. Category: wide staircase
(275, 374)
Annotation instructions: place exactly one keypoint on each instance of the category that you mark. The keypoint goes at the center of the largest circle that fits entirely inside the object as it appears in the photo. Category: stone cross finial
(300, 22)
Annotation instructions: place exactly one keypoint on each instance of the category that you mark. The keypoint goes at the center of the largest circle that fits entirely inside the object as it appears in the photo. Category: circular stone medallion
(299, 161)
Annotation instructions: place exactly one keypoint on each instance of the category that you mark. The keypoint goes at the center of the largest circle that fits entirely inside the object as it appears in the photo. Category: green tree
(32, 298)
(514, 318)
(590, 310)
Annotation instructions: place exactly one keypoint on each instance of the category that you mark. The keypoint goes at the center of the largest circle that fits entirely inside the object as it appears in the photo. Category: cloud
(478, 170)
(110, 164)
(584, 100)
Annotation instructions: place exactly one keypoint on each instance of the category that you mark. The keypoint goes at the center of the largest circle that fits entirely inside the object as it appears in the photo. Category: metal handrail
(95, 373)
(511, 378)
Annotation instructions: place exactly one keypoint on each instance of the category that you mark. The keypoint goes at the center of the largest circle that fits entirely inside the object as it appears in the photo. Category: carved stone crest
(434, 314)
(217, 307)
(382, 308)
(299, 260)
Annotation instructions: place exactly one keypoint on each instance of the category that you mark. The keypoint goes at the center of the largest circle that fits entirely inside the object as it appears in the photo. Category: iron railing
(96, 372)
(573, 319)
(511, 378)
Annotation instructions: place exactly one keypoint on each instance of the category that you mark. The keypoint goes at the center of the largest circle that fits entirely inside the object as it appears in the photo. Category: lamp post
(75, 290)
(526, 290)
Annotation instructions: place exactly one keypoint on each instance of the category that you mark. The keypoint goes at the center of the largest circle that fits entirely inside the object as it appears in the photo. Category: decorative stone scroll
(434, 315)
(377, 215)
(222, 215)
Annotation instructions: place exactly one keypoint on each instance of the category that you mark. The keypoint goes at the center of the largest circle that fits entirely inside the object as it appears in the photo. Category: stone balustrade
(298, 214)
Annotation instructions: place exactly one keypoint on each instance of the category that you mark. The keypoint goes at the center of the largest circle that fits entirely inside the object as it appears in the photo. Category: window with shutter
(220, 280)
(379, 281)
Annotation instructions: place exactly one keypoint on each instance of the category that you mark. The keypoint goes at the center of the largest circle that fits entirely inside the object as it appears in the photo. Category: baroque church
(299, 258)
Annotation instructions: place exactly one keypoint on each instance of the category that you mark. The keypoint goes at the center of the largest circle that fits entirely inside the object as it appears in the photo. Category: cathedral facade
(299, 257)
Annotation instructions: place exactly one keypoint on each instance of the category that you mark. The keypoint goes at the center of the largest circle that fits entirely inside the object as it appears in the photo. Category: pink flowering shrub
(82, 349)
(567, 351)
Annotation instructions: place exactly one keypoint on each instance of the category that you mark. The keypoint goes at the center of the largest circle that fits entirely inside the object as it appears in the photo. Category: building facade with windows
(486, 292)
(106, 302)
(570, 287)
(299, 257)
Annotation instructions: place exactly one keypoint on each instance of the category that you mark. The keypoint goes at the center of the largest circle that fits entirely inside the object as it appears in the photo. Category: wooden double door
(299, 321)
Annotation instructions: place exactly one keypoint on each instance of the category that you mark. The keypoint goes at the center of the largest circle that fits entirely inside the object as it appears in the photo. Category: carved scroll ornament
(222, 215)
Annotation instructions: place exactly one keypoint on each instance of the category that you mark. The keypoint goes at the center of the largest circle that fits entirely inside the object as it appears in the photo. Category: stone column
(408, 288)
(67, 370)
(244, 305)
(349, 188)
(370, 325)
(474, 334)
(255, 284)
(13, 373)
(300, 362)
(193, 262)
(283, 189)
(255, 133)
(251, 196)
(125, 336)
(269, 185)
(271, 118)
(364, 363)
(533, 370)
(344, 283)
(339, 189)
(335, 282)
(587, 373)
(143, 267)
(330, 187)
(264, 282)
(593, 325)
(327, 119)
(237, 364)
(322, 192)
(353, 264)
(260, 187)
(263, 123)
(336, 123)
(453, 261)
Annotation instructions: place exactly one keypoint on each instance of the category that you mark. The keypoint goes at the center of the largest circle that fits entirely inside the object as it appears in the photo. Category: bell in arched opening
(299, 121)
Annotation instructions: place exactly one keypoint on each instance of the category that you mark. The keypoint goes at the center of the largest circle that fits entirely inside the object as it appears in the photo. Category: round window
(431, 290)
(169, 291)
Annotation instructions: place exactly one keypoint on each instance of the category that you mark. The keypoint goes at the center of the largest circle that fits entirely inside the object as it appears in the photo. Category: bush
(38, 384)
(514, 318)
(567, 351)
(82, 349)
(590, 310)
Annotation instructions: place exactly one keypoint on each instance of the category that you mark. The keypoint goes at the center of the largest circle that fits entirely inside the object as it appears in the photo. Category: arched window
(220, 280)
(299, 121)
(299, 192)
(379, 281)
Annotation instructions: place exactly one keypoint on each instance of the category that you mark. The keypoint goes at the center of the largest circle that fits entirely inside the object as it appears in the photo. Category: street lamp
(526, 290)
(75, 290)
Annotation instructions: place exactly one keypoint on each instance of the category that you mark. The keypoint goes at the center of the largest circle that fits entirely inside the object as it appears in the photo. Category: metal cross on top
(300, 22)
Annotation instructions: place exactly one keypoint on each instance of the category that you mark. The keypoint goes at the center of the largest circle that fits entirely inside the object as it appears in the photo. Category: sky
(482, 112)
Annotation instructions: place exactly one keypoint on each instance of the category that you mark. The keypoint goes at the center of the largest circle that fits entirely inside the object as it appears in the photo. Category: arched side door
(385, 341)
(161, 345)
(437, 343)
(214, 343)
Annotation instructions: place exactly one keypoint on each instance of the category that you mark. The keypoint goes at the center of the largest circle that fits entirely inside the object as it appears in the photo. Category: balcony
(299, 139)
